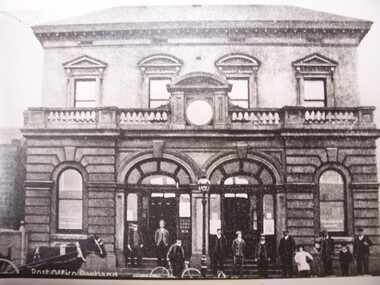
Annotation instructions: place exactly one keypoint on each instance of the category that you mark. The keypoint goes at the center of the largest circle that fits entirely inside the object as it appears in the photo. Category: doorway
(253, 214)
(162, 206)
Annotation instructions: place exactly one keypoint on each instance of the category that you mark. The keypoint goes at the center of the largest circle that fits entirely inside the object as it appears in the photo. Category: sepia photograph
(162, 140)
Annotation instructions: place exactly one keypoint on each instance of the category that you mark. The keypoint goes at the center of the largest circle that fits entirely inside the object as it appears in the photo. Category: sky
(21, 54)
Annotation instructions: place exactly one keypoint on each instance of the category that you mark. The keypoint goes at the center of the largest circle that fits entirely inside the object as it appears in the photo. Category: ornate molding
(315, 64)
(237, 63)
(200, 80)
(160, 64)
(85, 66)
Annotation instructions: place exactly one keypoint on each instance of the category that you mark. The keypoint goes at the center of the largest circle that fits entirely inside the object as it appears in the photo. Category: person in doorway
(176, 257)
(135, 245)
(238, 247)
(362, 245)
(303, 260)
(262, 257)
(345, 258)
(218, 252)
(161, 239)
(286, 249)
(327, 253)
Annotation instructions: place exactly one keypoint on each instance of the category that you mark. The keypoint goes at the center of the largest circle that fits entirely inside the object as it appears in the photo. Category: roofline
(366, 25)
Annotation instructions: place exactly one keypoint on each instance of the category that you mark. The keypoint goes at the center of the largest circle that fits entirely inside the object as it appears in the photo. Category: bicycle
(167, 272)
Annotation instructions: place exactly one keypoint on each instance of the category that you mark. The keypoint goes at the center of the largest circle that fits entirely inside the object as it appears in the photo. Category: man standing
(161, 238)
(286, 249)
(238, 247)
(262, 256)
(176, 256)
(327, 253)
(361, 251)
(219, 252)
(135, 244)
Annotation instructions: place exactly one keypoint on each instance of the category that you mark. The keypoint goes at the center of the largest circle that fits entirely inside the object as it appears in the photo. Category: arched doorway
(159, 189)
(242, 197)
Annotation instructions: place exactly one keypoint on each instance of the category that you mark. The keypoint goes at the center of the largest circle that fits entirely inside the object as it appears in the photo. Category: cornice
(203, 29)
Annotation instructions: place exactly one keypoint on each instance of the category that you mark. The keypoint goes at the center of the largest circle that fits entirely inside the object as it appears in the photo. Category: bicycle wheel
(7, 267)
(191, 273)
(159, 272)
(221, 275)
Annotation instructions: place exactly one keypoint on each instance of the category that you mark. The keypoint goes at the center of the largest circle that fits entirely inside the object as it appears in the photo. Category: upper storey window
(241, 71)
(239, 94)
(158, 71)
(315, 81)
(84, 84)
(85, 93)
(158, 94)
(314, 92)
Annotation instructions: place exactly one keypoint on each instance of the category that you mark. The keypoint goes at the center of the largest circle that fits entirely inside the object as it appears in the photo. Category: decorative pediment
(85, 65)
(160, 64)
(200, 80)
(237, 63)
(315, 63)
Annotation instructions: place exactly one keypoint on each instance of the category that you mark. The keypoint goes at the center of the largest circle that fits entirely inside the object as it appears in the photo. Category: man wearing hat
(361, 251)
(327, 253)
(135, 245)
(286, 250)
(238, 247)
(262, 254)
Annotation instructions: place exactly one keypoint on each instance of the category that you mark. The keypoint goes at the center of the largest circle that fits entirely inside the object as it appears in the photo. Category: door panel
(161, 208)
(253, 215)
(236, 218)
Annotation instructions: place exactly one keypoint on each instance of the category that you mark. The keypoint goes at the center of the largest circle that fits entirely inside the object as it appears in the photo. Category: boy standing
(345, 258)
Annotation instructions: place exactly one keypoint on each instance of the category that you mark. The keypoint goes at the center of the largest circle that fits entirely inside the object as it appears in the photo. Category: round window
(199, 112)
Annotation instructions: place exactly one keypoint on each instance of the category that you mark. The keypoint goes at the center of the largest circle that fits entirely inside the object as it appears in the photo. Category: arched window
(70, 201)
(158, 180)
(332, 202)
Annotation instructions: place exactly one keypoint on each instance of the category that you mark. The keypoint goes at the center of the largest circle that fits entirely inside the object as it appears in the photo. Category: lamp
(204, 187)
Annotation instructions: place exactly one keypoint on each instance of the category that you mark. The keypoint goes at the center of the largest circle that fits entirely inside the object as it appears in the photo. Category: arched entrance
(159, 189)
(243, 197)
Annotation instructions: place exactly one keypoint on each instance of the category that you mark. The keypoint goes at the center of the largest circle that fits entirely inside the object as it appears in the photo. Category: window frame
(54, 215)
(84, 79)
(344, 200)
(315, 66)
(59, 230)
(153, 67)
(306, 79)
(149, 90)
(243, 66)
(349, 209)
(84, 68)
(249, 99)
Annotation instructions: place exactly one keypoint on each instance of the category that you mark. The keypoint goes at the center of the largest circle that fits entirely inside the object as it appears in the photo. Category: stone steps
(250, 269)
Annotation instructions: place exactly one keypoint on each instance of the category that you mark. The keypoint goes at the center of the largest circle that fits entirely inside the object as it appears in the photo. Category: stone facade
(279, 145)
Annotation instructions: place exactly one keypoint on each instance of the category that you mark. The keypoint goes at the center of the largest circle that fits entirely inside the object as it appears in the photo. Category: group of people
(319, 263)
(174, 254)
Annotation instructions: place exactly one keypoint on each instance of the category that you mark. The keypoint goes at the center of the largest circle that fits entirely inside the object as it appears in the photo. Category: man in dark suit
(362, 252)
(218, 252)
(135, 244)
(161, 239)
(176, 256)
(262, 256)
(238, 247)
(286, 250)
(327, 253)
